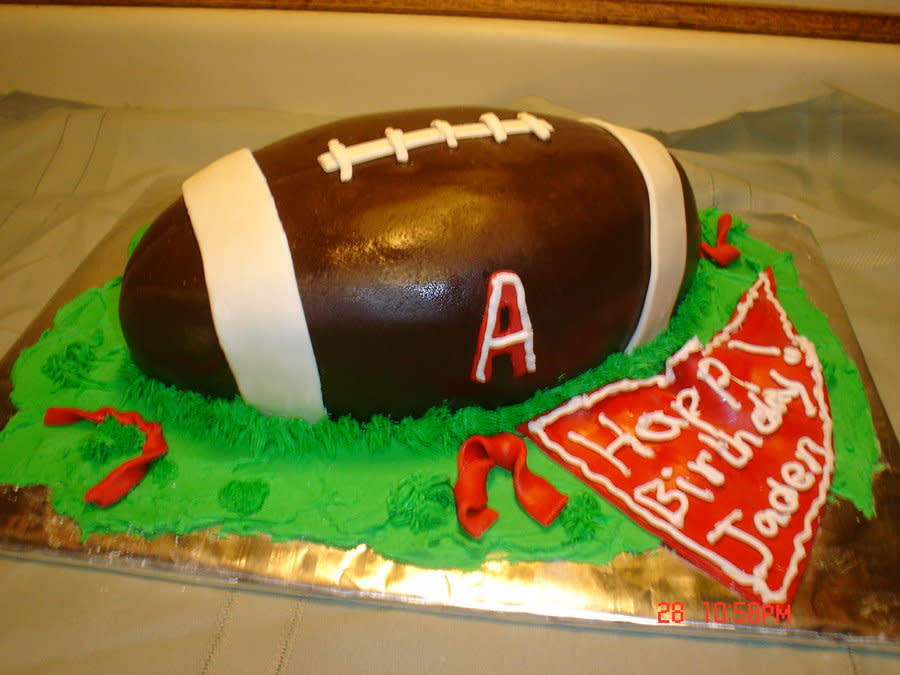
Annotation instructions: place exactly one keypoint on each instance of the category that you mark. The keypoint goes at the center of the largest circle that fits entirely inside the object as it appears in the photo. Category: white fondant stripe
(668, 233)
(253, 294)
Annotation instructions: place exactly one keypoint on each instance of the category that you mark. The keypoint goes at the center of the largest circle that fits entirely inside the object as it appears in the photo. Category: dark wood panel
(841, 25)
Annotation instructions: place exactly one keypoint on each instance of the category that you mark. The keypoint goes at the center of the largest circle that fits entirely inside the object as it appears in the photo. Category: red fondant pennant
(125, 477)
(477, 456)
(727, 455)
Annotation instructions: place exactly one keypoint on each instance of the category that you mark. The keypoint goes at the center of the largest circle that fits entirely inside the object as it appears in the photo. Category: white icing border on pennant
(253, 294)
(537, 428)
(668, 228)
(397, 142)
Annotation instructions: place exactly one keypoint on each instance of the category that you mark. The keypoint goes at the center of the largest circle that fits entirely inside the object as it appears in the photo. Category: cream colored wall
(345, 64)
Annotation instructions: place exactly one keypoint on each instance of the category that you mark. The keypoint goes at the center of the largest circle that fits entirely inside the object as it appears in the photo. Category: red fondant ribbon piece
(125, 477)
(723, 253)
(477, 456)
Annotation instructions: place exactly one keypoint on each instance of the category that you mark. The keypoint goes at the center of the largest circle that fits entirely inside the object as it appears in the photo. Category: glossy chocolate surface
(393, 266)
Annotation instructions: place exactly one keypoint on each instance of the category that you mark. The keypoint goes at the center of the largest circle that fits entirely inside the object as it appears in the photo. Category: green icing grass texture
(383, 483)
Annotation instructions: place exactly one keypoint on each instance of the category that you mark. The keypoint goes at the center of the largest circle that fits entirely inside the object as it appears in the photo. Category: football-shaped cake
(393, 262)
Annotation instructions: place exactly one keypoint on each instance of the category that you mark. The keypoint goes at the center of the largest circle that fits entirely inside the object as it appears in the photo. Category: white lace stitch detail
(342, 158)
(395, 138)
(537, 126)
(446, 130)
(493, 123)
(398, 143)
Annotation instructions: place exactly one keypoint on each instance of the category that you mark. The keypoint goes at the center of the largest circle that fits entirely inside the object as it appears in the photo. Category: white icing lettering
(761, 350)
(768, 412)
(736, 454)
(610, 456)
(647, 425)
(794, 388)
(804, 446)
(700, 493)
(792, 355)
(608, 452)
(398, 143)
(744, 436)
(767, 522)
(769, 408)
(782, 498)
(625, 439)
(687, 404)
(689, 412)
(700, 465)
(661, 498)
(718, 383)
(795, 475)
(726, 527)
(505, 292)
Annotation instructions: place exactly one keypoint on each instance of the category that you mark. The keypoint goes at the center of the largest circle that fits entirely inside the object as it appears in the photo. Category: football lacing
(397, 142)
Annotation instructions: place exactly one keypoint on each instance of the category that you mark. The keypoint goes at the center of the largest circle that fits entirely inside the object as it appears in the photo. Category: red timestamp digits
(738, 612)
(669, 612)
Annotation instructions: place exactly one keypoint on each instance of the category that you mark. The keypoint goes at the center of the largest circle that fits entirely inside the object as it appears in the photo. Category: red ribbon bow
(477, 456)
(127, 475)
(723, 253)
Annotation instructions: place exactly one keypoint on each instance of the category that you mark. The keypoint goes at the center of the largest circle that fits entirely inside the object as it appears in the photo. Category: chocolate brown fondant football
(393, 262)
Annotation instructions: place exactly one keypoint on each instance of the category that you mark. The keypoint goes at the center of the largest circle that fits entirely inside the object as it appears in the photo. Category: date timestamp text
(739, 612)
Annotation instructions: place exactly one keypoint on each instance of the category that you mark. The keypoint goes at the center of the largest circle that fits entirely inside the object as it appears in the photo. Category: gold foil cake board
(849, 591)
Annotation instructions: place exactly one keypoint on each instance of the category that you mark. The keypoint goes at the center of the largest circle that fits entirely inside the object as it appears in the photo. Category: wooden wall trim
(735, 18)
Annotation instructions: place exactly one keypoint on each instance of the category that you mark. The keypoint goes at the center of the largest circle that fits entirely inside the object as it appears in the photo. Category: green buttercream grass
(383, 483)
(111, 441)
(583, 518)
(421, 503)
(244, 497)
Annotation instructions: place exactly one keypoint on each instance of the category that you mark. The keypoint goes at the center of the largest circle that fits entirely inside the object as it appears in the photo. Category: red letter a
(505, 294)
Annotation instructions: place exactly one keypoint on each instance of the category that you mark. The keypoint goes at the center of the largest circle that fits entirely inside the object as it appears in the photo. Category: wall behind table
(868, 20)
(339, 64)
